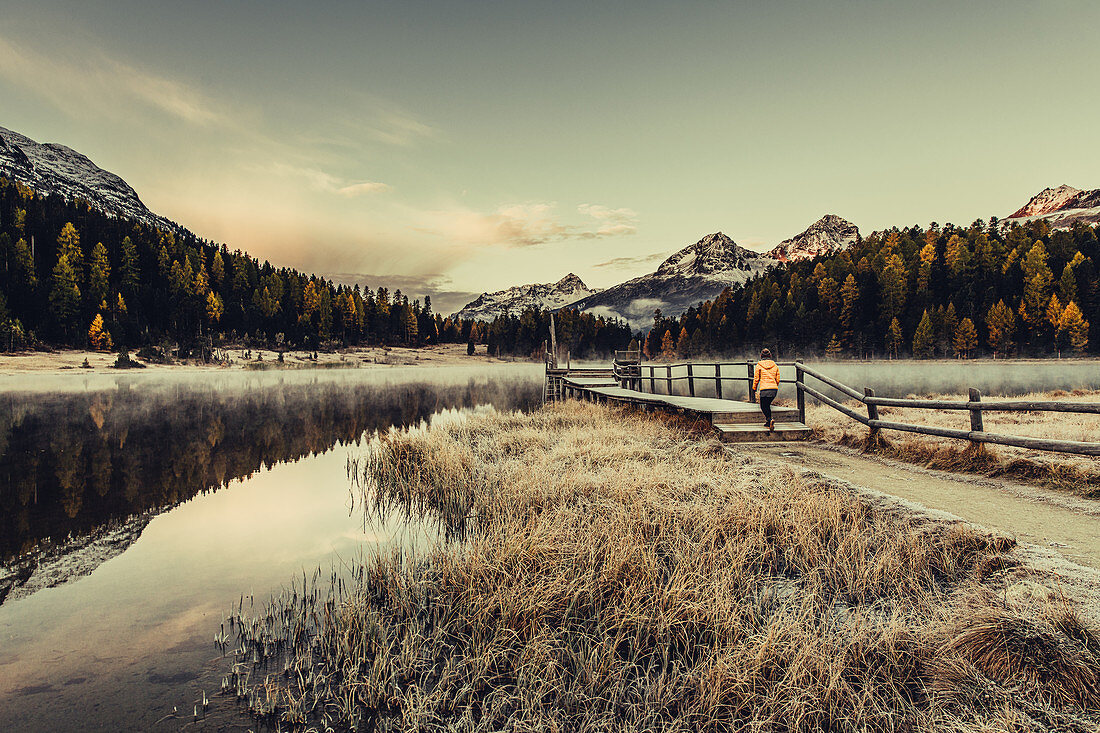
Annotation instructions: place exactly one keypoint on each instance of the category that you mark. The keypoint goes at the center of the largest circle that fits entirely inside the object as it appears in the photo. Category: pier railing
(974, 406)
(638, 376)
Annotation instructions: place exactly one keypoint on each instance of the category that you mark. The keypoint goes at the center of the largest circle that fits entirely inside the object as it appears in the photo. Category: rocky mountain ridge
(518, 298)
(695, 273)
(1061, 206)
(49, 168)
(826, 236)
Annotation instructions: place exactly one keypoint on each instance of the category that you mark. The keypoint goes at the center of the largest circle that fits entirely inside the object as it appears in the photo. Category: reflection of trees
(73, 462)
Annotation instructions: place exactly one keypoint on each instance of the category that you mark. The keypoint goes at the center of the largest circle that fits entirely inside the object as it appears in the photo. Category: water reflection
(86, 470)
(123, 646)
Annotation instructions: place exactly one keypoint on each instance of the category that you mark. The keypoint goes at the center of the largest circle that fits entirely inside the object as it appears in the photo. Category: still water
(134, 512)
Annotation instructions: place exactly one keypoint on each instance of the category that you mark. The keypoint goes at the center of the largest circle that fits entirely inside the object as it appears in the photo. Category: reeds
(611, 572)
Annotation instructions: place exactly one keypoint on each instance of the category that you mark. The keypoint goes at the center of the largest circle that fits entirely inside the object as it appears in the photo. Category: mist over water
(137, 508)
(1007, 378)
(890, 378)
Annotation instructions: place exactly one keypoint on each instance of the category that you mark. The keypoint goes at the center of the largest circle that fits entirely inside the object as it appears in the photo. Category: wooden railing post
(691, 381)
(872, 412)
(652, 379)
(669, 368)
(800, 396)
(976, 423)
(752, 392)
(718, 380)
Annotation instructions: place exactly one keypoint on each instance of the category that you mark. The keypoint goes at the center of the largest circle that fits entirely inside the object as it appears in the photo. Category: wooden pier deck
(733, 420)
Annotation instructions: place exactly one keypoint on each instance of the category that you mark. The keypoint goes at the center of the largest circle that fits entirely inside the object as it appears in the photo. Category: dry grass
(613, 572)
(1078, 473)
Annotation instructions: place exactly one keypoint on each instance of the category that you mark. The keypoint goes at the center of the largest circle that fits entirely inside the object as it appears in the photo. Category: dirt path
(1044, 518)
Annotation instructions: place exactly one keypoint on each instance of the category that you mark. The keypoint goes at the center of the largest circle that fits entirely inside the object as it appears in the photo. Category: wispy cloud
(625, 263)
(320, 180)
(95, 81)
(612, 222)
(364, 188)
(395, 126)
(526, 225)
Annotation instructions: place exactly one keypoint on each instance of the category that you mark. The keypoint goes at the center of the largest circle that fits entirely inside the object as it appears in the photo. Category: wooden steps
(757, 433)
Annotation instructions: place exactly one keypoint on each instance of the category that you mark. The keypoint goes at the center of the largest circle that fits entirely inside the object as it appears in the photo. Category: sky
(450, 148)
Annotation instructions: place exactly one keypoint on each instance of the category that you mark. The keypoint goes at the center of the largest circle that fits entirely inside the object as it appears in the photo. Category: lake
(136, 510)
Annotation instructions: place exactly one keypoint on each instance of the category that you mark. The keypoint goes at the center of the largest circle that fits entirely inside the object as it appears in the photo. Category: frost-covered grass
(609, 571)
(1079, 473)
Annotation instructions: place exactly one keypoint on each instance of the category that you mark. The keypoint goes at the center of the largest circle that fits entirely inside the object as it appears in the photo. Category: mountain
(55, 169)
(517, 299)
(696, 273)
(827, 235)
(1061, 207)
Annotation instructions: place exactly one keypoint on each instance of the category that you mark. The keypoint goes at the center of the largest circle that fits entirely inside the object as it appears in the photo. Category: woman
(765, 382)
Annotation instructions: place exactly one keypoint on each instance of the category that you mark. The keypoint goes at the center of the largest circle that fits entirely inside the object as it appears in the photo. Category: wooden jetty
(660, 386)
(624, 383)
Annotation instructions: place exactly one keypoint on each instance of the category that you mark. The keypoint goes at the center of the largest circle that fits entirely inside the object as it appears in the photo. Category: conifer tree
(215, 308)
(1001, 324)
(98, 336)
(129, 271)
(1073, 328)
(1037, 283)
(894, 289)
(894, 337)
(683, 345)
(99, 273)
(217, 269)
(68, 245)
(668, 347)
(924, 274)
(834, 348)
(24, 265)
(924, 338)
(849, 297)
(966, 338)
(64, 295)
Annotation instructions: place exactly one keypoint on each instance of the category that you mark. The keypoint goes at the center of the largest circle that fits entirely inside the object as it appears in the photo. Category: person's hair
(765, 354)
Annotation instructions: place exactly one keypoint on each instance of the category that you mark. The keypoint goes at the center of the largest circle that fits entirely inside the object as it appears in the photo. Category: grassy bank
(608, 571)
(1080, 474)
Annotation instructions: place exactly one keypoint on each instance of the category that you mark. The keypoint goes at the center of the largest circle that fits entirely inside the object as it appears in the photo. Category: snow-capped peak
(1061, 207)
(1047, 201)
(517, 299)
(55, 169)
(713, 256)
(825, 236)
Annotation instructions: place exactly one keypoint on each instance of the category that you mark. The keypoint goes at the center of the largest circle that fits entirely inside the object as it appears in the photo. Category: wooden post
(752, 392)
(976, 424)
(669, 368)
(652, 379)
(872, 412)
(799, 380)
(718, 380)
(553, 341)
(691, 381)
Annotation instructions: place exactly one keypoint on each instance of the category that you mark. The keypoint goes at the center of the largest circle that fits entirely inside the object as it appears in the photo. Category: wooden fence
(638, 376)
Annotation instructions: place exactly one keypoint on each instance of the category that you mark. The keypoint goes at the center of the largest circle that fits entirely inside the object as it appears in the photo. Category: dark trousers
(766, 396)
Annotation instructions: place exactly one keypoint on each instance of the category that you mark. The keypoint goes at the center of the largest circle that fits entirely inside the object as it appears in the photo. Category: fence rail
(636, 375)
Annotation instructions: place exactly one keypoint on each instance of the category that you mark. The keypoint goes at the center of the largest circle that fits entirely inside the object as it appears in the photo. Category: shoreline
(65, 361)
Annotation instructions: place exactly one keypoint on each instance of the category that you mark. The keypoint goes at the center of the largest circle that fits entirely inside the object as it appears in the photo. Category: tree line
(71, 275)
(936, 291)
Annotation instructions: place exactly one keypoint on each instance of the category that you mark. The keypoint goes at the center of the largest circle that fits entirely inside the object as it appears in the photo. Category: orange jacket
(766, 375)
